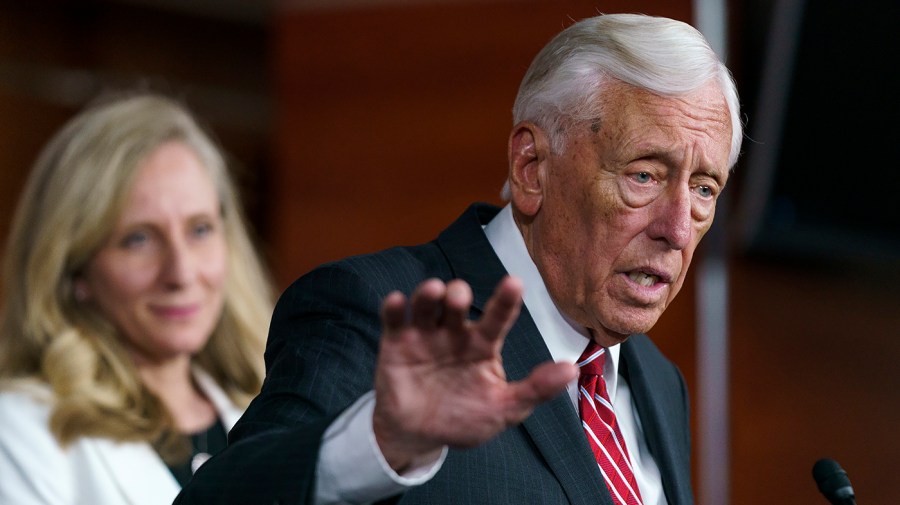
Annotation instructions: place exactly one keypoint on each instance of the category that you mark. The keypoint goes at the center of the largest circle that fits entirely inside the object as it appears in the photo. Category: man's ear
(528, 158)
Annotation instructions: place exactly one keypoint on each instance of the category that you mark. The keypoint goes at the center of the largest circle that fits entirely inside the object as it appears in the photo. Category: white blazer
(34, 469)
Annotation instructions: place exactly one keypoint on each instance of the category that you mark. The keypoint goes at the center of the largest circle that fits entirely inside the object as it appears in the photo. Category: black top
(204, 445)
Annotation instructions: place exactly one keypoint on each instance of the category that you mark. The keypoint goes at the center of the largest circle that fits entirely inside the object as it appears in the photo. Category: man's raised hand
(440, 380)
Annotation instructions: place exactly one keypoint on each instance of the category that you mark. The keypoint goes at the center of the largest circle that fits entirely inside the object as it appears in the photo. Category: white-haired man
(414, 375)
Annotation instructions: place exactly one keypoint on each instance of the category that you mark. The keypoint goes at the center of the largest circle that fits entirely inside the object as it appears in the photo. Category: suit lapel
(658, 429)
(554, 427)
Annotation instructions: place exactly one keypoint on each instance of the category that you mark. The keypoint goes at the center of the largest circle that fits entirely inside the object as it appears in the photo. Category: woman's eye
(202, 229)
(134, 239)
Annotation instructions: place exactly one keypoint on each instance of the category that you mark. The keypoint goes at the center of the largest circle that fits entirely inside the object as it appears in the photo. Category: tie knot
(592, 359)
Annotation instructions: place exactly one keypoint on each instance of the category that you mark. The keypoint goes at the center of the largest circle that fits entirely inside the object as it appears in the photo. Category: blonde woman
(135, 310)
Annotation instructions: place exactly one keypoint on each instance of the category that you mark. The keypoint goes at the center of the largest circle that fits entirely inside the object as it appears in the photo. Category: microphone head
(832, 481)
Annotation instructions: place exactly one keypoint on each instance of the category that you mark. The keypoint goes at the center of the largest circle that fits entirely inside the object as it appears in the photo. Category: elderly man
(414, 375)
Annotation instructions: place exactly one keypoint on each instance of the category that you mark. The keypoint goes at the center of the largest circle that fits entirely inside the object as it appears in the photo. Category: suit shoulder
(398, 268)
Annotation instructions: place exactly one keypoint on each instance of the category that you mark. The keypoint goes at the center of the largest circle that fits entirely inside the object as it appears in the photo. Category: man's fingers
(433, 304)
(393, 311)
(545, 382)
(456, 305)
(441, 312)
(502, 309)
(549, 379)
(427, 304)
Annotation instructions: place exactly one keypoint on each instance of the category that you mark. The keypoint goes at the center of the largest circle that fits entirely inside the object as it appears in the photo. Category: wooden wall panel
(814, 374)
(24, 126)
(392, 119)
(57, 55)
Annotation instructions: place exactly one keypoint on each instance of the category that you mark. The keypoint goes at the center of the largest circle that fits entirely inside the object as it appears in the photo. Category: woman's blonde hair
(73, 198)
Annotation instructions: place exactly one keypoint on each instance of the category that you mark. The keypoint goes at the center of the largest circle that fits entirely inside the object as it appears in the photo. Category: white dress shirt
(351, 468)
(566, 340)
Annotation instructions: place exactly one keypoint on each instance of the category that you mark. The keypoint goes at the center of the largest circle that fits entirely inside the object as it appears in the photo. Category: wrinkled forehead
(637, 118)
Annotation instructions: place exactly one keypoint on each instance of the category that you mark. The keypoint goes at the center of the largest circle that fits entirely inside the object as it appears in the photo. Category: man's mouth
(643, 278)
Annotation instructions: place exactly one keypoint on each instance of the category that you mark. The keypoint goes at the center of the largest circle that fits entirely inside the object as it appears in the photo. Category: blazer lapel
(228, 412)
(138, 472)
(136, 469)
(554, 426)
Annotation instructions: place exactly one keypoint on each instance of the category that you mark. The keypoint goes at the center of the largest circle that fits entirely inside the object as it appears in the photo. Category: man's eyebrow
(670, 159)
(712, 174)
(651, 152)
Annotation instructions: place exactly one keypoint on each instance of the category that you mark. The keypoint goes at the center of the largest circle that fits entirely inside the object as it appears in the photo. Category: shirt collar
(565, 339)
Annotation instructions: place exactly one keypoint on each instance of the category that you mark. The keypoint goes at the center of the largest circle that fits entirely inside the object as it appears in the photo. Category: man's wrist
(351, 467)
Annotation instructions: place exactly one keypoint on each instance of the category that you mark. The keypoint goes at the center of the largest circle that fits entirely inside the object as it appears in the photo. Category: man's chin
(607, 339)
(617, 329)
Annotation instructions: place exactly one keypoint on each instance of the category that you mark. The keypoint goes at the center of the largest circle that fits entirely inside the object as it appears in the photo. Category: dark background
(833, 195)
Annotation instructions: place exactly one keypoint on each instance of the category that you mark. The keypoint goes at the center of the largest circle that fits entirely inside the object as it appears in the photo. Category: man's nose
(672, 219)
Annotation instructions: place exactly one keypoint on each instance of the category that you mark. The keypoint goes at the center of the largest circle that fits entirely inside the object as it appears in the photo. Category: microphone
(833, 482)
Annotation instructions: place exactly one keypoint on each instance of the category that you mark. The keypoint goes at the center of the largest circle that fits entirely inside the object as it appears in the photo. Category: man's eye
(642, 177)
(705, 191)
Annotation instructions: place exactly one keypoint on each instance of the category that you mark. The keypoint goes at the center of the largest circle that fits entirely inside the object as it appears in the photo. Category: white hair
(666, 57)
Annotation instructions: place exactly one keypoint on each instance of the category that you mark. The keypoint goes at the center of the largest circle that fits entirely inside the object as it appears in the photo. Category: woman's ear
(80, 289)
(528, 156)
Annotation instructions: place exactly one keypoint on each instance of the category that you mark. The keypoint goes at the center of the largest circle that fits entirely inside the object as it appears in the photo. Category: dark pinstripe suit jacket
(321, 357)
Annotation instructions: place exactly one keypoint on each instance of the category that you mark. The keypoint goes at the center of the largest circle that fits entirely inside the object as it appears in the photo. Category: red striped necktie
(602, 430)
